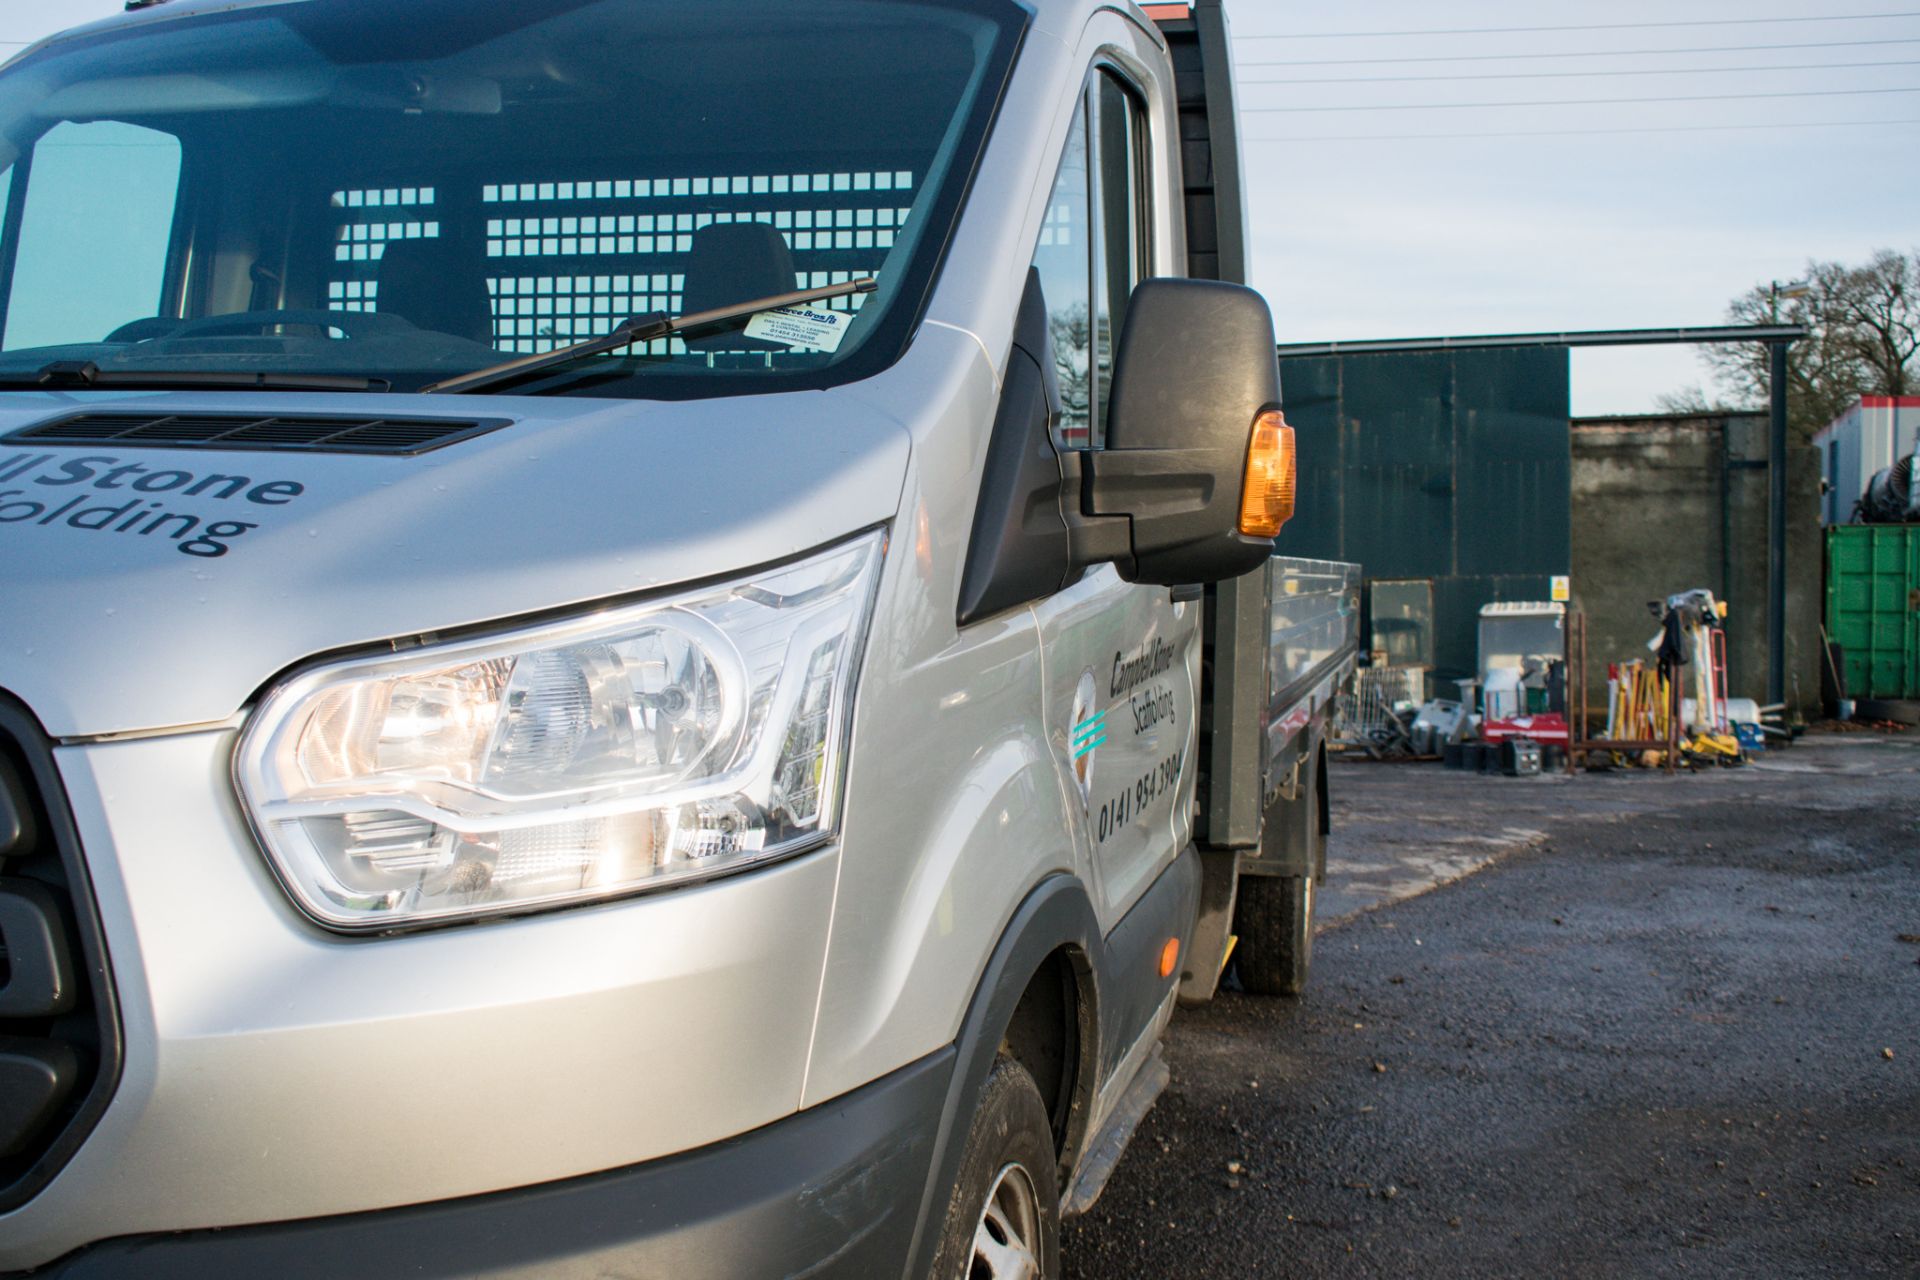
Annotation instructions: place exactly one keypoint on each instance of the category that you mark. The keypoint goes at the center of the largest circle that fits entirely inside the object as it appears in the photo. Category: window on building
(1402, 614)
(1833, 482)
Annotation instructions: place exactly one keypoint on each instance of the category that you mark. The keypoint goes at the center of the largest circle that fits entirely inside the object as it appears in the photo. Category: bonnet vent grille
(399, 436)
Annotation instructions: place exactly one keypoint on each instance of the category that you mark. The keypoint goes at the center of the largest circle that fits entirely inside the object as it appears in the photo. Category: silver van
(637, 637)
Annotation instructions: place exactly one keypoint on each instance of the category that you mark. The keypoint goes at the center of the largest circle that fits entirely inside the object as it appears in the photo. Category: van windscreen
(407, 191)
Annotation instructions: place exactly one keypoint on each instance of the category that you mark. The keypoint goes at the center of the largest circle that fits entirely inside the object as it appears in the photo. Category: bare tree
(1693, 401)
(1877, 309)
(1864, 339)
(1072, 347)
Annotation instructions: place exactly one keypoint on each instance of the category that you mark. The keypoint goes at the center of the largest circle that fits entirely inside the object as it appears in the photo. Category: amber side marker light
(1169, 957)
(1266, 504)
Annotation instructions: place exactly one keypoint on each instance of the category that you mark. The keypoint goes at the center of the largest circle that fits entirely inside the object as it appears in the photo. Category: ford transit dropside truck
(637, 637)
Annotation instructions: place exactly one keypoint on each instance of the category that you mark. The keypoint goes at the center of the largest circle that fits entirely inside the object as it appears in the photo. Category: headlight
(638, 747)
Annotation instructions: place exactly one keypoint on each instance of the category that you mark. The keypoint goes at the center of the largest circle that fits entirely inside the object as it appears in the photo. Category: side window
(94, 237)
(1093, 251)
(1063, 258)
(1121, 248)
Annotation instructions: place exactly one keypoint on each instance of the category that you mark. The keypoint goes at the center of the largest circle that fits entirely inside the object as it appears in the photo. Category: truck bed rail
(1313, 646)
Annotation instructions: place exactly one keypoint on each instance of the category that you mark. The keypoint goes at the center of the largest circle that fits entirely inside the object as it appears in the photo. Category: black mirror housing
(1161, 502)
(1195, 368)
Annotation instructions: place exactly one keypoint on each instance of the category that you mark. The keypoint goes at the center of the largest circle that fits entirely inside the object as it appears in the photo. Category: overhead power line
(1586, 133)
(1585, 102)
(1476, 76)
(1595, 26)
(1595, 53)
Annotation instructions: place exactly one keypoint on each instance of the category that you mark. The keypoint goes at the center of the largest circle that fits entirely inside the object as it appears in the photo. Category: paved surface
(1674, 1029)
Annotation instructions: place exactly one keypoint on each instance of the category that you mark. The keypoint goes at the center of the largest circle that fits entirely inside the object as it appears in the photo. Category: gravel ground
(1679, 1034)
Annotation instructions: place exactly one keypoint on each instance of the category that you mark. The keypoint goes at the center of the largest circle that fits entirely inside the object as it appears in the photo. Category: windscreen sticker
(98, 493)
(811, 327)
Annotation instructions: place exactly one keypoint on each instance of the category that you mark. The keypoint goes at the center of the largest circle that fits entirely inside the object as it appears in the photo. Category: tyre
(1273, 914)
(1004, 1220)
(1274, 920)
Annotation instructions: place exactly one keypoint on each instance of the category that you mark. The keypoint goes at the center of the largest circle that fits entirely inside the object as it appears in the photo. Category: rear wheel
(1004, 1220)
(1273, 915)
(1274, 919)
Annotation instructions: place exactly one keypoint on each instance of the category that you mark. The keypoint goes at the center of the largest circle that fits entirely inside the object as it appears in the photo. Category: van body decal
(200, 514)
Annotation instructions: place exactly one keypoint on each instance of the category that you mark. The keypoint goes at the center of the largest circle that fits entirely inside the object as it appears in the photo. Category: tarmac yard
(1643, 1026)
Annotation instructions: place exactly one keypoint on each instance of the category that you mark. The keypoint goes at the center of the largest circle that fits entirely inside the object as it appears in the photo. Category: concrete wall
(1662, 505)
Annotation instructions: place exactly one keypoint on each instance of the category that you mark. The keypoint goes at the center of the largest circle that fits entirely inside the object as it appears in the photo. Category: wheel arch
(1048, 947)
(1052, 1034)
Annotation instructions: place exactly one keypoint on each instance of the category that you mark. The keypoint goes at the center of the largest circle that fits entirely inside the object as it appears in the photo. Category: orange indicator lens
(1169, 957)
(1266, 504)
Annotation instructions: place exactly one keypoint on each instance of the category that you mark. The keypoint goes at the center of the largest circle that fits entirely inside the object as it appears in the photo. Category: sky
(1673, 163)
(1362, 230)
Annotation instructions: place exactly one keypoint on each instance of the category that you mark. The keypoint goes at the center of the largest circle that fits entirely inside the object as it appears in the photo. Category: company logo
(111, 496)
(1089, 732)
(1131, 670)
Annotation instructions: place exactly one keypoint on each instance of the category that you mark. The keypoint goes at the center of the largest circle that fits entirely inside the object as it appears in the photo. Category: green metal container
(1873, 607)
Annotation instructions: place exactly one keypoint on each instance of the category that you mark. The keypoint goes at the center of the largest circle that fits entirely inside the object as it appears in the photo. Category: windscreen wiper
(84, 375)
(639, 329)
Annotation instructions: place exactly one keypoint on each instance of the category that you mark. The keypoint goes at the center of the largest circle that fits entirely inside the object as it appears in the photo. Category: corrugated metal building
(1447, 475)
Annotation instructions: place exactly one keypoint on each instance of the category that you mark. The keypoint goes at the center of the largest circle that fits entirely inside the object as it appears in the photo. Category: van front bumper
(274, 1073)
(834, 1191)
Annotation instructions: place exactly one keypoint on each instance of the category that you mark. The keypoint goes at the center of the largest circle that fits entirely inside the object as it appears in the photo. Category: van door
(1121, 662)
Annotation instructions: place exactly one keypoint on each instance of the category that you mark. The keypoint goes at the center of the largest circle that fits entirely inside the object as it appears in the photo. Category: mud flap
(1213, 930)
(1290, 836)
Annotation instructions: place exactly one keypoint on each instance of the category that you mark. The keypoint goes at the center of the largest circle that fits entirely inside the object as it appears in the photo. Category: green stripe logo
(1088, 734)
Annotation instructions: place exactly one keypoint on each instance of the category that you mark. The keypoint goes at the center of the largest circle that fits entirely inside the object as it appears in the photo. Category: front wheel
(1274, 919)
(1004, 1220)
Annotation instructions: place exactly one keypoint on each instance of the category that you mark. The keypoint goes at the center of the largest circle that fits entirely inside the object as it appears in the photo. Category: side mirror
(1197, 474)
(1194, 410)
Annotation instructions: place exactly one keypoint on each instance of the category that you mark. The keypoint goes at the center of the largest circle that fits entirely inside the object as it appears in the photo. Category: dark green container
(1873, 607)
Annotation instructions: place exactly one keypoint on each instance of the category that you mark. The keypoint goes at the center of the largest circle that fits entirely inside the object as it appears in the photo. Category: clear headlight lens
(633, 748)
